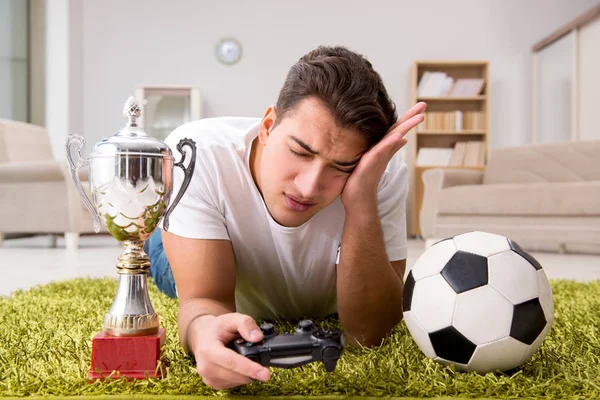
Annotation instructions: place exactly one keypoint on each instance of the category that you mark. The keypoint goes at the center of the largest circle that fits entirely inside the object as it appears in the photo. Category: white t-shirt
(281, 272)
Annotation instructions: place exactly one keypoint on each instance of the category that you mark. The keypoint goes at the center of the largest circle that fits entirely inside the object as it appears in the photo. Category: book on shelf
(439, 84)
(452, 121)
(458, 154)
(469, 153)
(465, 153)
(434, 84)
(434, 156)
(467, 87)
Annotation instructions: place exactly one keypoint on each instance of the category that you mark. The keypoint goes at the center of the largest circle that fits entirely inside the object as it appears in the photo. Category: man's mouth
(297, 204)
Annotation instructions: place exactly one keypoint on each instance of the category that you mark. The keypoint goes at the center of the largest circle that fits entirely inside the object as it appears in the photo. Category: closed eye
(345, 171)
(304, 155)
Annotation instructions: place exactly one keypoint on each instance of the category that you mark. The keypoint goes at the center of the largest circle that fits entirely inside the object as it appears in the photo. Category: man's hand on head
(360, 191)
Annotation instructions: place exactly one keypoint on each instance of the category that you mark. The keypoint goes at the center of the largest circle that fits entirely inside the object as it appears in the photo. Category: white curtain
(589, 78)
(567, 87)
(555, 80)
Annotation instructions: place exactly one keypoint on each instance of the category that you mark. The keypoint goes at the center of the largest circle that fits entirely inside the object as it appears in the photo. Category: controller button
(305, 325)
(331, 353)
(267, 329)
(321, 334)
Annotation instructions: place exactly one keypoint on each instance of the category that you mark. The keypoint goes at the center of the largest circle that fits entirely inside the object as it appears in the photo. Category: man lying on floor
(298, 214)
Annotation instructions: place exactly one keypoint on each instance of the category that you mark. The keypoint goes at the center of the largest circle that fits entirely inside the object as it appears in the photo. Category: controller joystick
(305, 325)
(268, 329)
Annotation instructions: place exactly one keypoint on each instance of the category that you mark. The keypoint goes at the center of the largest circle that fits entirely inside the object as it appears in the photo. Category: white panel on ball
(545, 294)
(502, 355)
(513, 276)
(432, 261)
(433, 303)
(483, 243)
(483, 315)
(420, 336)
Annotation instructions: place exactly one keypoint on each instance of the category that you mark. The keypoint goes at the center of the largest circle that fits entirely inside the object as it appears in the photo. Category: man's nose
(310, 181)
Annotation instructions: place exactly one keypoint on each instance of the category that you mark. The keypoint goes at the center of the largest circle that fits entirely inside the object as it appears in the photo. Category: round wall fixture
(229, 51)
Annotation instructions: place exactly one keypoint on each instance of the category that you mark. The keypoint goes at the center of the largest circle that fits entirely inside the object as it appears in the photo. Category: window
(14, 60)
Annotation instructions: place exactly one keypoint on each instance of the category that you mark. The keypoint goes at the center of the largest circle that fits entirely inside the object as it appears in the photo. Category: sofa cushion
(21, 142)
(553, 162)
(564, 198)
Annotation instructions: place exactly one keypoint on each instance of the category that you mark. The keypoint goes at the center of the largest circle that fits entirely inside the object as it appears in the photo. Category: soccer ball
(478, 301)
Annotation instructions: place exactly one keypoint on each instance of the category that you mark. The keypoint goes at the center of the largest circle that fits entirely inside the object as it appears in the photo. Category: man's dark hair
(346, 83)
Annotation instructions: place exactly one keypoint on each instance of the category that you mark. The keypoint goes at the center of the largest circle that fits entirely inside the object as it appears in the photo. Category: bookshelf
(455, 133)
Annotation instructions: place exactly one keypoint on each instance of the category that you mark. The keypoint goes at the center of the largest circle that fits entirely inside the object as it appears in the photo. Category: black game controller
(289, 350)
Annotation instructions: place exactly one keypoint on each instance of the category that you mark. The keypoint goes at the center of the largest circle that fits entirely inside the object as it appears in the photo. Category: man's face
(305, 161)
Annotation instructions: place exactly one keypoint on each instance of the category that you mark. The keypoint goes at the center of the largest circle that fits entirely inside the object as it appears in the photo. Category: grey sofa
(36, 193)
(546, 197)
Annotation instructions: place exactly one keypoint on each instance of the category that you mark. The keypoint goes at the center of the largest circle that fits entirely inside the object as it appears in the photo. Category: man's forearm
(189, 312)
(369, 291)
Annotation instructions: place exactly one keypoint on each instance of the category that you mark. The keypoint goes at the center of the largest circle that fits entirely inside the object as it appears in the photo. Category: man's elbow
(371, 337)
(363, 340)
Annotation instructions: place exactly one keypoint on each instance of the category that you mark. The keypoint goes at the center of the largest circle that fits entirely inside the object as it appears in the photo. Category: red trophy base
(131, 357)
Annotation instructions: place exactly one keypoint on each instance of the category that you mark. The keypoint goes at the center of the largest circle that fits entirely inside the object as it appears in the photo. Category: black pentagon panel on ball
(409, 287)
(466, 271)
(528, 321)
(519, 250)
(451, 345)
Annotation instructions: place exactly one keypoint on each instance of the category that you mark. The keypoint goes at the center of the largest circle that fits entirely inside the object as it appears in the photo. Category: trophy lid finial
(132, 111)
(131, 139)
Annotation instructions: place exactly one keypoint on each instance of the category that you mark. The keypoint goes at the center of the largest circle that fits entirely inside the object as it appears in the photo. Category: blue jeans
(160, 269)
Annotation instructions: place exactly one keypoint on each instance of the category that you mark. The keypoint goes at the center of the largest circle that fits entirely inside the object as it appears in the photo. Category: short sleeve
(197, 215)
(391, 197)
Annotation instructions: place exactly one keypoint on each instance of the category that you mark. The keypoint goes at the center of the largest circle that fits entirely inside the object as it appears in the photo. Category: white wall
(64, 98)
(57, 74)
(589, 76)
(125, 43)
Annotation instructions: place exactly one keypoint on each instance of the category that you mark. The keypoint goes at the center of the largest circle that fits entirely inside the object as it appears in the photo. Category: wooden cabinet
(455, 133)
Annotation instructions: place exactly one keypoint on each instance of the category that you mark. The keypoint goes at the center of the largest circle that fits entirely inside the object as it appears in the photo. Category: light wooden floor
(27, 262)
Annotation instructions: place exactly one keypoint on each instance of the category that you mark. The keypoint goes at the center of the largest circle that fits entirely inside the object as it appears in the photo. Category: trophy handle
(73, 166)
(187, 178)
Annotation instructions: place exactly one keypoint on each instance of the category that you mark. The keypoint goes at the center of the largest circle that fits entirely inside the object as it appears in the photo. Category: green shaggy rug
(46, 335)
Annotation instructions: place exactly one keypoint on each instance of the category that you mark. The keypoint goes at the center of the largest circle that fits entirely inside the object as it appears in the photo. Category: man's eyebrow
(311, 151)
(304, 145)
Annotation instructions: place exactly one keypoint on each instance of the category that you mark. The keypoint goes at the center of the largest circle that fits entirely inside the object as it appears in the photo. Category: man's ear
(266, 124)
